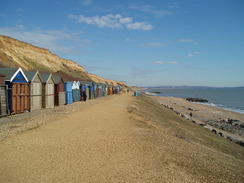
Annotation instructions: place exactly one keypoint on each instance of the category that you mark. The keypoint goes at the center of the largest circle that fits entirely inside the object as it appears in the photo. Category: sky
(140, 42)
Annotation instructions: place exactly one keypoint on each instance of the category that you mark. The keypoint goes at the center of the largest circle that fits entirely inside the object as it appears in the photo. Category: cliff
(15, 53)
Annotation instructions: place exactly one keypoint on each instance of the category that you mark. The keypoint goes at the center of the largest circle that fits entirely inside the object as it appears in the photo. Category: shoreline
(225, 123)
(209, 103)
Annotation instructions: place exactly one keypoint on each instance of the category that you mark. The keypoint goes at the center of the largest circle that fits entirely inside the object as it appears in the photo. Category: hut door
(20, 97)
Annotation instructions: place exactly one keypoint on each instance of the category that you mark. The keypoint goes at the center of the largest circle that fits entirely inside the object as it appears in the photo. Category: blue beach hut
(68, 90)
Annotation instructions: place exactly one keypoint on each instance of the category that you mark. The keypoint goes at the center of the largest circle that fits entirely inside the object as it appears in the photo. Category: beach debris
(230, 125)
(196, 100)
(191, 109)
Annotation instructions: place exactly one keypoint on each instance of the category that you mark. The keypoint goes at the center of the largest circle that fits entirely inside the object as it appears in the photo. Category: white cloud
(156, 44)
(112, 21)
(158, 62)
(188, 41)
(127, 40)
(49, 39)
(173, 62)
(140, 26)
(195, 53)
(169, 62)
(152, 10)
(87, 2)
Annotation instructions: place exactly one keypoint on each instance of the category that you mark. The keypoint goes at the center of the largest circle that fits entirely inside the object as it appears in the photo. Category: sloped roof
(45, 77)
(11, 73)
(56, 79)
(31, 75)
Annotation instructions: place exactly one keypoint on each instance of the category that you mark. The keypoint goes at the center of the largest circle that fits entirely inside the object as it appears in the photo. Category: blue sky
(141, 42)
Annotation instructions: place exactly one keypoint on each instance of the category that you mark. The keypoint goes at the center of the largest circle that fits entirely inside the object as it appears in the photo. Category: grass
(185, 129)
(193, 148)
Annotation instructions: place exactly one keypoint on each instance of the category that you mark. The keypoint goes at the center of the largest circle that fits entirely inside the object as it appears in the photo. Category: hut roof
(57, 79)
(45, 77)
(11, 73)
(31, 75)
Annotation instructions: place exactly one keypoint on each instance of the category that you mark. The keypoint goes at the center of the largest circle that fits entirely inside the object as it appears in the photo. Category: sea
(231, 99)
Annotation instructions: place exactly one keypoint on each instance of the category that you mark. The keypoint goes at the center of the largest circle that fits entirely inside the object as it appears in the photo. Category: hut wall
(62, 98)
(110, 90)
(87, 93)
(48, 95)
(76, 95)
(3, 100)
(2, 79)
(68, 90)
(59, 98)
(35, 95)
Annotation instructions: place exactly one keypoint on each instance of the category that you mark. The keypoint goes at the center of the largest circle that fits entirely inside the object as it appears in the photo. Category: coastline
(226, 123)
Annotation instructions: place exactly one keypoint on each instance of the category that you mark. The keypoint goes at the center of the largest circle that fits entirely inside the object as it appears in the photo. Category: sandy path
(115, 139)
(96, 144)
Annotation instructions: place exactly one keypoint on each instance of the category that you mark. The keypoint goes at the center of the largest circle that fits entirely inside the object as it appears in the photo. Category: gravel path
(106, 140)
(95, 144)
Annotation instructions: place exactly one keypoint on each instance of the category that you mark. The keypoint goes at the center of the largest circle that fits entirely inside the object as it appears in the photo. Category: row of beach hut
(22, 91)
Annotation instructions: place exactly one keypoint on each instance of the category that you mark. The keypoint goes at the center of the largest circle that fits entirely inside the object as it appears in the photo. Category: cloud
(49, 39)
(188, 41)
(112, 21)
(87, 2)
(127, 40)
(158, 62)
(152, 10)
(169, 62)
(194, 53)
(156, 44)
(173, 62)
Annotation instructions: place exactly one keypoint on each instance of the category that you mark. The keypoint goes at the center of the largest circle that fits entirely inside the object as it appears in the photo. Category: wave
(223, 107)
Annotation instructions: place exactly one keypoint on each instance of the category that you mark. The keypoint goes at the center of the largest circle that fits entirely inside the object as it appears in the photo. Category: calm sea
(227, 98)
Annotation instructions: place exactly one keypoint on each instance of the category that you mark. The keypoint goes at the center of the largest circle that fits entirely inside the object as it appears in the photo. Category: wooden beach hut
(68, 92)
(110, 90)
(60, 97)
(35, 81)
(18, 90)
(47, 90)
(3, 96)
(98, 90)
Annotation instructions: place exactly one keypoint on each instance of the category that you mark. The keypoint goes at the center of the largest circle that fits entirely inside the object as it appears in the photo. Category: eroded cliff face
(15, 53)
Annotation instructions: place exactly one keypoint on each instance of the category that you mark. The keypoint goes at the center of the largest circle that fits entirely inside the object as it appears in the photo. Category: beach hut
(47, 90)
(60, 97)
(92, 90)
(98, 90)
(3, 96)
(88, 87)
(35, 81)
(116, 89)
(83, 91)
(76, 91)
(110, 90)
(18, 90)
(68, 92)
